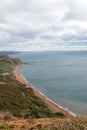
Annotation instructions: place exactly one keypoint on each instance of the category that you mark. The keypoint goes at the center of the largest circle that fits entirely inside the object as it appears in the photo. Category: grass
(5, 67)
(4, 127)
(2, 83)
(76, 123)
(73, 123)
(17, 99)
(20, 101)
(7, 63)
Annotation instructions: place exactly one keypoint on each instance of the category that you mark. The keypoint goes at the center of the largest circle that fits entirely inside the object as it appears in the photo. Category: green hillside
(7, 64)
(15, 97)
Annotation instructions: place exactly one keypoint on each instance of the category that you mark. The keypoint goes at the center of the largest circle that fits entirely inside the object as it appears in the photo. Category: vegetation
(18, 101)
(2, 83)
(21, 101)
(73, 123)
(7, 64)
(16, 98)
(4, 127)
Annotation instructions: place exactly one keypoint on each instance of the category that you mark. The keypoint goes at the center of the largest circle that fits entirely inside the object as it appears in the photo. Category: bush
(59, 114)
(4, 127)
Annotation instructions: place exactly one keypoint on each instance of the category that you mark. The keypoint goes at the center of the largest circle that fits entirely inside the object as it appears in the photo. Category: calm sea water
(61, 76)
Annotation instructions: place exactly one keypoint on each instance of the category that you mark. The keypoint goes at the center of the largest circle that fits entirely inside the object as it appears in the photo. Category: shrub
(7, 117)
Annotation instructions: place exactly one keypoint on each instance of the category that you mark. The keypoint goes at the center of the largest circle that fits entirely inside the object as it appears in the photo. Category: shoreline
(51, 104)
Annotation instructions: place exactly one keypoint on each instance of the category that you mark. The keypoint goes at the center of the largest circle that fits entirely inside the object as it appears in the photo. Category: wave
(66, 109)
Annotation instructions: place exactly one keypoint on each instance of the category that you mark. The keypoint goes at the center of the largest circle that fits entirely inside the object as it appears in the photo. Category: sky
(37, 25)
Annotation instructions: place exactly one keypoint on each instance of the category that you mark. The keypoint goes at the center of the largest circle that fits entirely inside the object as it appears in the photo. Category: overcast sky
(43, 24)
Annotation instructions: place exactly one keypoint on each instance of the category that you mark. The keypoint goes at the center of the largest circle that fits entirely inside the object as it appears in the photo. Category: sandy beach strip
(50, 103)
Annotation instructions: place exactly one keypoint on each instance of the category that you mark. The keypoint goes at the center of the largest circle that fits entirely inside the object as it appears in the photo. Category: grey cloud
(42, 24)
(74, 37)
(76, 10)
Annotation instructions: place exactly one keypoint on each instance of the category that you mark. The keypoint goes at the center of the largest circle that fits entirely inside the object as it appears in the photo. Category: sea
(60, 75)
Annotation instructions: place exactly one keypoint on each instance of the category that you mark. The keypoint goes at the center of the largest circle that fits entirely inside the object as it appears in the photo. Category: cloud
(43, 24)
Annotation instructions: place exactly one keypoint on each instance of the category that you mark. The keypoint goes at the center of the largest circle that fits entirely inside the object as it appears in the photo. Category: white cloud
(43, 24)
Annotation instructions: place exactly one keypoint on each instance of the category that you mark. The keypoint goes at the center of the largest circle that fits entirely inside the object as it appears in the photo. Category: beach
(50, 104)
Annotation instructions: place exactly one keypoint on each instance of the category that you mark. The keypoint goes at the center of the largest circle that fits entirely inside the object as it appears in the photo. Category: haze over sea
(59, 75)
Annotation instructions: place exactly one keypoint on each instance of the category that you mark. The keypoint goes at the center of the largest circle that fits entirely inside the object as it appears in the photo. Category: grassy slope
(17, 99)
(5, 67)
(7, 63)
(73, 123)
(21, 102)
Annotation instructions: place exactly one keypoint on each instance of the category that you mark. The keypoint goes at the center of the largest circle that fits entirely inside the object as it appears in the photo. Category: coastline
(52, 105)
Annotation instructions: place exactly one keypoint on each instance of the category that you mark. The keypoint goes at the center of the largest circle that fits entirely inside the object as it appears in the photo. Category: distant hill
(8, 52)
